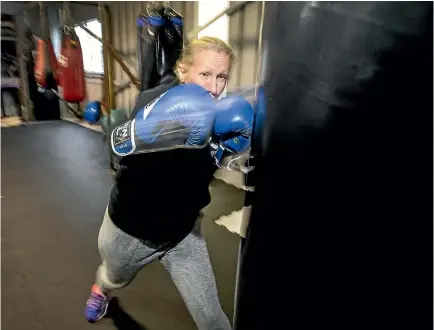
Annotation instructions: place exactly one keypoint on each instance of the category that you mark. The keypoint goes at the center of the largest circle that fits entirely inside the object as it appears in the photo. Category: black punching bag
(149, 26)
(341, 227)
(160, 41)
(171, 47)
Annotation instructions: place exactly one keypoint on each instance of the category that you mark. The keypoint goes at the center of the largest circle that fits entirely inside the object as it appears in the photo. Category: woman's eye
(205, 74)
(222, 78)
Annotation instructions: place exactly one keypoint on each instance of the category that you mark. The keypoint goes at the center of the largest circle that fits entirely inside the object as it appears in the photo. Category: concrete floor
(55, 186)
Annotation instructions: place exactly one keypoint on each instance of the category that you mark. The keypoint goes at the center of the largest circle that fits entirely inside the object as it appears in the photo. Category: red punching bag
(46, 67)
(71, 67)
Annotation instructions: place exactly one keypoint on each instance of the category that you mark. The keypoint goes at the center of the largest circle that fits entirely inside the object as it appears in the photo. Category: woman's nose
(212, 88)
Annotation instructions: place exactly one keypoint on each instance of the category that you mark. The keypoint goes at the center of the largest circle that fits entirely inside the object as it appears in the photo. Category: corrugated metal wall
(243, 37)
(244, 28)
(124, 28)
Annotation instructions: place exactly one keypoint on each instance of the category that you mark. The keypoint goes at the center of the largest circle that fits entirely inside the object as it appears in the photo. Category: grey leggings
(188, 264)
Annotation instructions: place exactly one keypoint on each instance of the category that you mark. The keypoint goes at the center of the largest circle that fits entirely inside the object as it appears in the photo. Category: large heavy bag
(159, 45)
(46, 67)
(71, 67)
(348, 138)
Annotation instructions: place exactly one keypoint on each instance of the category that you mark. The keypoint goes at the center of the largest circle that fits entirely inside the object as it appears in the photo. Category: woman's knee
(112, 278)
(117, 251)
(114, 245)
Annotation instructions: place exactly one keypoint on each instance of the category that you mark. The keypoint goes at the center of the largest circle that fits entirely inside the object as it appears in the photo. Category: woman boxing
(154, 208)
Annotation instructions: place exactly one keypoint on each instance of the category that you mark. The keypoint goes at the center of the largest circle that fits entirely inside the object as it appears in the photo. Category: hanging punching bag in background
(148, 31)
(46, 66)
(160, 41)
(172, 45)
(71, 67)
(346, 172)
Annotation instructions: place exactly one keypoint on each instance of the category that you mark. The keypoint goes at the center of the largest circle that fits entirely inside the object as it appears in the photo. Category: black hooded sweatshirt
(157, 196)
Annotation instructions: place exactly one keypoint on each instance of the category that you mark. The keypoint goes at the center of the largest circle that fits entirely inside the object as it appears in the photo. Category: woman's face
(210, 70)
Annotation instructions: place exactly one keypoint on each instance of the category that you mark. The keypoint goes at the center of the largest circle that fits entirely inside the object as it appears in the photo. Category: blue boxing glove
(232, 127)
(233, 123)
(182, 117)
(234, 117)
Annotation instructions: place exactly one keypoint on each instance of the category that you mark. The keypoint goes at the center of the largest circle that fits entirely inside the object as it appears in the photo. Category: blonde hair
(186, 59)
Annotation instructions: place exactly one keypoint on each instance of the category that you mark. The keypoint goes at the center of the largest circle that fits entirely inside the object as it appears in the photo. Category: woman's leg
(190, 268)
(122, 257)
